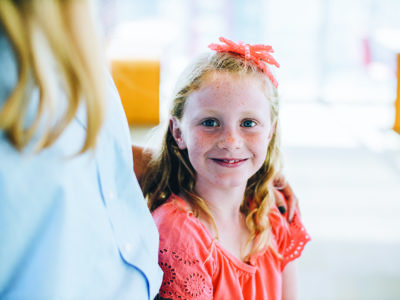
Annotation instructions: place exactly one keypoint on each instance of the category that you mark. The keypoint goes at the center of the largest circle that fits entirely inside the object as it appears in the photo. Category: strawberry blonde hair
(55, 44)
(171, 171)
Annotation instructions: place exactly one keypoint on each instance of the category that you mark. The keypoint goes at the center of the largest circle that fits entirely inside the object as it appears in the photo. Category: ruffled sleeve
(184, 255)
(291, 238)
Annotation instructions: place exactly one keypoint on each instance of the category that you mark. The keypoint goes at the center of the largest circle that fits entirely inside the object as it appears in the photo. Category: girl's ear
(176, 133)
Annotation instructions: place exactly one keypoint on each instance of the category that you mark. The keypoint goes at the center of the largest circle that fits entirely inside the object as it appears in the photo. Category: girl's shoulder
(173, 205)
(177, 225)
(174, 211)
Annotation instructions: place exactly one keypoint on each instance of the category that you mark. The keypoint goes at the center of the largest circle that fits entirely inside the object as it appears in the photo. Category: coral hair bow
(259, 54)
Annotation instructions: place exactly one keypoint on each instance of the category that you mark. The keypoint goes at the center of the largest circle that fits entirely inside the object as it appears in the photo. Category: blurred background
(338, 87)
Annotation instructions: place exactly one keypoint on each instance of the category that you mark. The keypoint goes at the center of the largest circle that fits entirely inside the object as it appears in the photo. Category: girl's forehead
(231, 83)
(231, 92)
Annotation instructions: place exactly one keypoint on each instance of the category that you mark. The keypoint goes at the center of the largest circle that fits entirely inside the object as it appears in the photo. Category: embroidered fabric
(191, 273)
(183, 278)
(295, 241)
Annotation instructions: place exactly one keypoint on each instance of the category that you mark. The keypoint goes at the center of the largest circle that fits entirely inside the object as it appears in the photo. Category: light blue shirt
(74, 228)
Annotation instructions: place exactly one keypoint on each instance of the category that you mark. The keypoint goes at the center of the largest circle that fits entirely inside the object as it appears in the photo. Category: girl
(210, 189)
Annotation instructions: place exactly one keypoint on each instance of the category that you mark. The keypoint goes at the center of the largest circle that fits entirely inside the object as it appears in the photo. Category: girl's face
(226, 128)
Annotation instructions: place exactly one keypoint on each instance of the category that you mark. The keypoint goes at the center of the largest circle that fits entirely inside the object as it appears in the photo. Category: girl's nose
(230, 139)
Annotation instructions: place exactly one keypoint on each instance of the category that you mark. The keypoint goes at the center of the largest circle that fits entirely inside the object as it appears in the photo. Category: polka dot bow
(259, 53)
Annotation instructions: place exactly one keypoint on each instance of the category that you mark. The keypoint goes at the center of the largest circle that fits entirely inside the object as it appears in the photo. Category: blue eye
(209, 123)
(249, 123)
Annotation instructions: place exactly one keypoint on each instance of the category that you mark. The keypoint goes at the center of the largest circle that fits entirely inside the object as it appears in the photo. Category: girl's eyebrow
(257, 111)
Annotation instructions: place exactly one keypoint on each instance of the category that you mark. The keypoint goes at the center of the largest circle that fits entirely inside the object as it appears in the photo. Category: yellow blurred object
(138, 84)
(396, 126)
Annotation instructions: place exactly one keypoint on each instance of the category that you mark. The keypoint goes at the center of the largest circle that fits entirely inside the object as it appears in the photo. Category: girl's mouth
(229, 162)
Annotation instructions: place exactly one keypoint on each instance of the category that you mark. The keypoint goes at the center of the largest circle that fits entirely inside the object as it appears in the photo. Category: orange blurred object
(396, 126)
(138, 83)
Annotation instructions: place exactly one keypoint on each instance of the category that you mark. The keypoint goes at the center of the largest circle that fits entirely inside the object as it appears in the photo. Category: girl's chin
(230, 183)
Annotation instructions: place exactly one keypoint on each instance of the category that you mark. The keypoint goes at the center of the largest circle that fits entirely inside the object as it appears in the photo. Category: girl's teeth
(230, 161)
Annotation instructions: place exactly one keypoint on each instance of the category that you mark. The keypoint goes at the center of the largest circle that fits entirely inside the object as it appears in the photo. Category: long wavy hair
(55, 44)
(171, 171)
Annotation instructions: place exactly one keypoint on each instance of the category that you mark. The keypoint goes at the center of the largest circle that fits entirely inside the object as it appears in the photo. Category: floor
(344, 164)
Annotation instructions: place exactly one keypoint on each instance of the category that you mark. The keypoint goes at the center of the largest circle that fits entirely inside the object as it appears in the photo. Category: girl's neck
(224, 204)
(231, 226)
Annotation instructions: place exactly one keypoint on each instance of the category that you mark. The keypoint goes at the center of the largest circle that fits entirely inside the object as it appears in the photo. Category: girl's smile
(230, 163)
(226, 128)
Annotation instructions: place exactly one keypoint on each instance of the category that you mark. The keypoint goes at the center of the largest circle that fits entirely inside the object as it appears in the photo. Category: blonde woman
(74, 224)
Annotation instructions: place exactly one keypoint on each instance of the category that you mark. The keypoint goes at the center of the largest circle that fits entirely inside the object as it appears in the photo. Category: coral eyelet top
(196, 266)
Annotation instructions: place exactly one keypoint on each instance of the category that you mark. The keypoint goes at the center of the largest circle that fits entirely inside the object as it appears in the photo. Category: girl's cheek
(257, 139)
(201, 139)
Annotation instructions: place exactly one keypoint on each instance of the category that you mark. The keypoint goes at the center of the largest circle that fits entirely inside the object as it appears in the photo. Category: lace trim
(298, 239)
(188, 283)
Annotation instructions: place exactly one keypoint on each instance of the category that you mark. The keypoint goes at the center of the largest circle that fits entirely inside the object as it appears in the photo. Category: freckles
(199, 142)
(258, 140)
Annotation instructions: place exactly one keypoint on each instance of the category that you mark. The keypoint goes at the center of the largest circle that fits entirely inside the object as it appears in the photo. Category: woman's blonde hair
(172, 172)
(55, 44)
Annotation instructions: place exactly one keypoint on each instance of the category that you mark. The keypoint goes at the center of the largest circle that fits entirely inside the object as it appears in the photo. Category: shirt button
(111, 195)
(128, 247)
